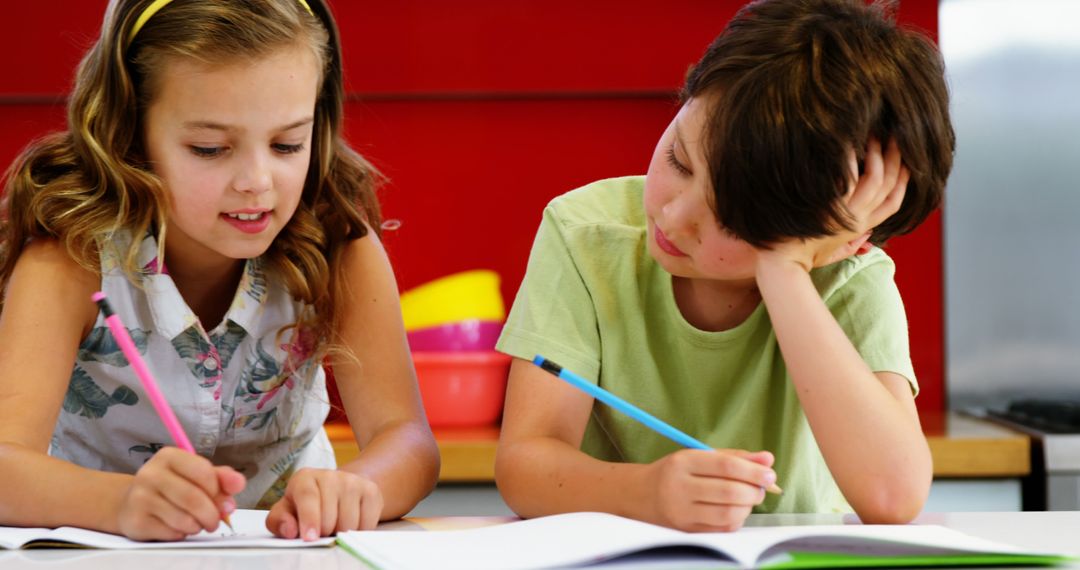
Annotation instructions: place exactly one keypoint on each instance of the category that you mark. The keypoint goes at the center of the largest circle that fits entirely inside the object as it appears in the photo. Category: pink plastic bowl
(462, 388)
(469, 335)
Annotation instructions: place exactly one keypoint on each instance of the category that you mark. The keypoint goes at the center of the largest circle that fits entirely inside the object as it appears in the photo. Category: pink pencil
(161, 405)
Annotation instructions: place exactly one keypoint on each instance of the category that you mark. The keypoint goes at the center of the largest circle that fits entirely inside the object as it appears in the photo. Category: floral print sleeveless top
(246, 395)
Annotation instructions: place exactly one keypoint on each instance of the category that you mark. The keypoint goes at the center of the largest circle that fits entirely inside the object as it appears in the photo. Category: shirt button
(206, 441)
(210, 364)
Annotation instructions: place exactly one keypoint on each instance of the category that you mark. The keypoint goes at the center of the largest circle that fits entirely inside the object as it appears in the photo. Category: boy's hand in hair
(709, 490)
(176, 494)
(870, 200)
(321, 502)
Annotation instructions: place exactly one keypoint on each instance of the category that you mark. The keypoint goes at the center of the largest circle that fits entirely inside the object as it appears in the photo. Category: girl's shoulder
(46, 275)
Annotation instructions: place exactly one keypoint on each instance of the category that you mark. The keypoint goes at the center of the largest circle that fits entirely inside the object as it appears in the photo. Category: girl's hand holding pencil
(176, 494)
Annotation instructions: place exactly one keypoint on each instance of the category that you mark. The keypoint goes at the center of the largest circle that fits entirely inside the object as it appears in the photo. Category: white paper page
(872, 540)
(545, 542)
(250, 526)
(586, 538)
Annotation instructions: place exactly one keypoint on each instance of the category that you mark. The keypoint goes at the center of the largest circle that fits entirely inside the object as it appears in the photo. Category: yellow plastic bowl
(458, 297)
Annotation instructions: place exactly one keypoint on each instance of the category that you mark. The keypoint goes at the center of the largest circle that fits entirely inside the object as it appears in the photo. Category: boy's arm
(865, 424)
(540, 469)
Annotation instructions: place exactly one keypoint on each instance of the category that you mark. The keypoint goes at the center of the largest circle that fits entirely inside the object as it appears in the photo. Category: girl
(204, 186)
(706, 291)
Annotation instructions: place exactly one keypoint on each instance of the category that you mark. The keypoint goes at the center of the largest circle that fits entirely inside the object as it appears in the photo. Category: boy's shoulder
(612, 201)
(866, 270)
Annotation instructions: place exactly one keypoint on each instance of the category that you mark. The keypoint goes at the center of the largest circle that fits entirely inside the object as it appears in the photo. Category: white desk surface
(1046, 531)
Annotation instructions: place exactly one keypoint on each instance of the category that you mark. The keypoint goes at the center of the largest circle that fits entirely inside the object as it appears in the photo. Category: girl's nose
(253, 174)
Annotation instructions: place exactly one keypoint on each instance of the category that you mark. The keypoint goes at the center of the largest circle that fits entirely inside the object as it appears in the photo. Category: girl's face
(232, 143)
(685, 237)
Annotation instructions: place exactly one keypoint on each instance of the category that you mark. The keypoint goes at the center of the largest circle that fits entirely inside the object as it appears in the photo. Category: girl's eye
(288, 148)
(674, 162)
(206, 151)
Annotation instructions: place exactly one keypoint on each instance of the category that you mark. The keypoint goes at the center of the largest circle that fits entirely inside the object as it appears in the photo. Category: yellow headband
(159, 4)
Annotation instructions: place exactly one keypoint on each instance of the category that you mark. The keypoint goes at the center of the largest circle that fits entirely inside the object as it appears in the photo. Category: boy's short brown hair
(792, 86)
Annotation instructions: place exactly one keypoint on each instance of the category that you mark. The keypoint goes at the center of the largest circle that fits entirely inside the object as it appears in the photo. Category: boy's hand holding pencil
(699, 488)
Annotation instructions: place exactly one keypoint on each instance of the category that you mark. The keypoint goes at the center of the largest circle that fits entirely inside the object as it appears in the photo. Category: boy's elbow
(898, 504)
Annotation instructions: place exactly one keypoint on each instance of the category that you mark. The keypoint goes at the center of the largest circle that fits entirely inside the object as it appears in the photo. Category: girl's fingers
(329, 494)
(175, 517)
(349, 506)
(371, 507)
(305, 496)
(282, 520)
(194, 502)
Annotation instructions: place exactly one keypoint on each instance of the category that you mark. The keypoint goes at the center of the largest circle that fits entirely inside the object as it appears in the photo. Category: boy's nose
(680, 215)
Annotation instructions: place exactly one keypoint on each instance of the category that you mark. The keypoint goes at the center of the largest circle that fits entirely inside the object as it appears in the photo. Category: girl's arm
(865, 423)
(47, 312)
(540, 469)
(378, 388)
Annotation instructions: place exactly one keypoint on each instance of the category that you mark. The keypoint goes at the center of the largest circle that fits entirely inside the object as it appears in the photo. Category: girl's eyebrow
(213, 126)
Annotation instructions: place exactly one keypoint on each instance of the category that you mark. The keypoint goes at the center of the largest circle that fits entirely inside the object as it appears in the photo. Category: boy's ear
(862, 243)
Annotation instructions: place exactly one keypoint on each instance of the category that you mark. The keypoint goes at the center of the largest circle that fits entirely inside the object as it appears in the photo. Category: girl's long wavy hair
(82, 185)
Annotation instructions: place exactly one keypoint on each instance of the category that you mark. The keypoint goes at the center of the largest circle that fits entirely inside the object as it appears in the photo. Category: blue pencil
(650, 421)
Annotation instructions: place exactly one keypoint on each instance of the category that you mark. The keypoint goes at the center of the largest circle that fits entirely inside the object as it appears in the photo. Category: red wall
(479, 112)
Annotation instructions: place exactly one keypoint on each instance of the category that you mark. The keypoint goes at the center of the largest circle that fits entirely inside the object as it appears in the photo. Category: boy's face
(685, 237)
(232, 144)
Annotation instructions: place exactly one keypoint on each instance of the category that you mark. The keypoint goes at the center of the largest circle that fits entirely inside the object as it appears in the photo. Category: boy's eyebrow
(213, 126)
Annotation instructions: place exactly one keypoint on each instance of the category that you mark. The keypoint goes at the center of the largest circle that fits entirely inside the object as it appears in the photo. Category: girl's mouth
(248, 222)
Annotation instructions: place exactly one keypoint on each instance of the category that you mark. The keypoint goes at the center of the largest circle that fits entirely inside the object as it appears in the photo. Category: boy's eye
(288, 148)
(206, 151)
(674, 162)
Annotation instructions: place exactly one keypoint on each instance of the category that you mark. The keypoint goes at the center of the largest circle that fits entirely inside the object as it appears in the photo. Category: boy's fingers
(892, 163)
(739, 468)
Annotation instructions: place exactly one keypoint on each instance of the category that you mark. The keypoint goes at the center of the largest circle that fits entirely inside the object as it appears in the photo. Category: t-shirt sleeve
(553, 314)
(869, 309)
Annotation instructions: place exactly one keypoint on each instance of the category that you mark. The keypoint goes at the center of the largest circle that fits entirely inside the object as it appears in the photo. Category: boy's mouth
(666, 245)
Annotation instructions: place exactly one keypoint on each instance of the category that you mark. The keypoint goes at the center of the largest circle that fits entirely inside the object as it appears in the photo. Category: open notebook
(249, 526)
(585, 538)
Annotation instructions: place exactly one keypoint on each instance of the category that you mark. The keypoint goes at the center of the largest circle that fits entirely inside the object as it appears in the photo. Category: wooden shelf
(962, 447)
(468, 454)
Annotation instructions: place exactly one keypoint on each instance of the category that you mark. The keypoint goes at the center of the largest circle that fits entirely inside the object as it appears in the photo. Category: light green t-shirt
(594, 301)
